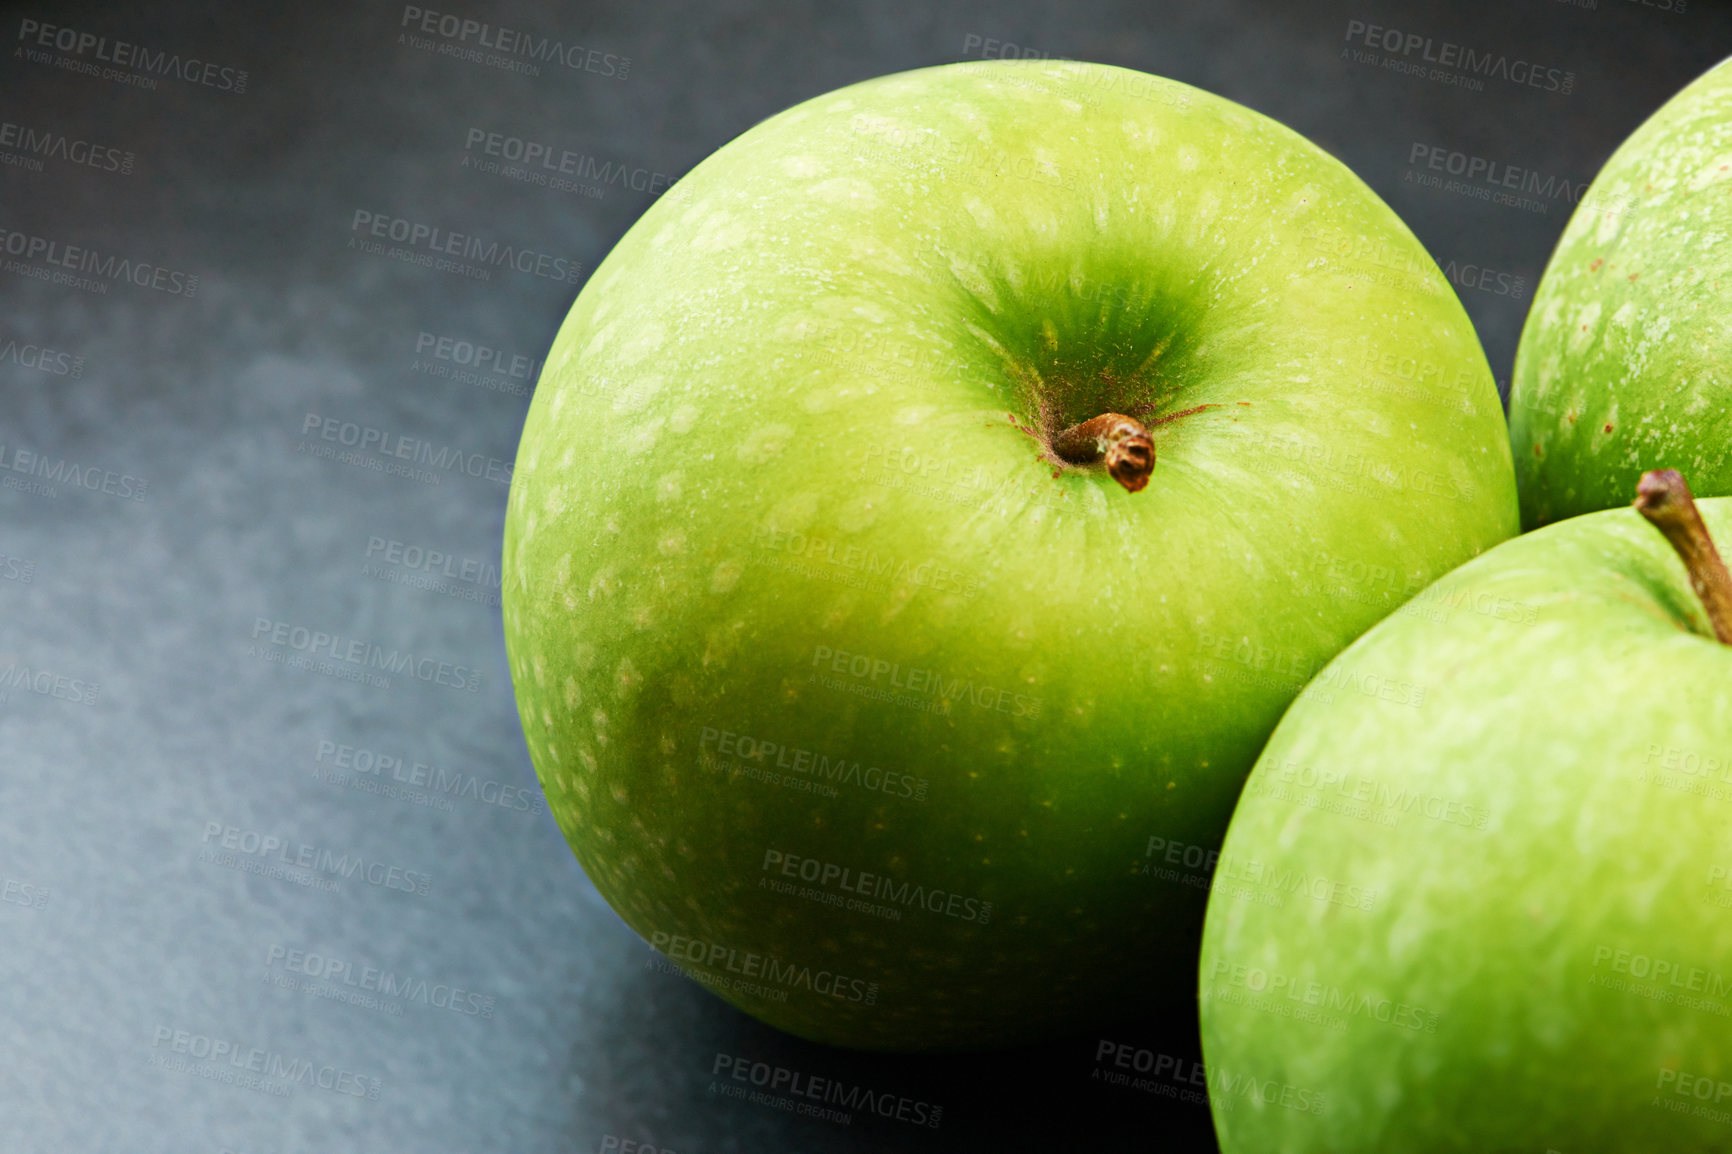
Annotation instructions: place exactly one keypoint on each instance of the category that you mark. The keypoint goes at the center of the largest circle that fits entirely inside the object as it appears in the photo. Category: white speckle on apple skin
(845, 189)
(792, 513)
(639, 395)
(604, 583)
(764, 443)
(645, 342)
(720, 233)
(626, 678)
(642, 439)
(858, 513)
(726, 575)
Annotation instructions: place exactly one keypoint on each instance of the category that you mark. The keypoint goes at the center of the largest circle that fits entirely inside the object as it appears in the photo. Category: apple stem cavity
(1664, 499)
(1123, 441)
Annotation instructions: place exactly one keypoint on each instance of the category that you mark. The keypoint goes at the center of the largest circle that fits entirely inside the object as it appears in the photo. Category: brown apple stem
(1123, 441)
(1664, 499)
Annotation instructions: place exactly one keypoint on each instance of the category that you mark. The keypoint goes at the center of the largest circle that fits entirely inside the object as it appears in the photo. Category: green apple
(860, 695)
(1498, 921)
(1624, 363)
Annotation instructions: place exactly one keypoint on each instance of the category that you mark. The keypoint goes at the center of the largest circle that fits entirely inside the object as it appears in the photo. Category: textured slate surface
(128, 942)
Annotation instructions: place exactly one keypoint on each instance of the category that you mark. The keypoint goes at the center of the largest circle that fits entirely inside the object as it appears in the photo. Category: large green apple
(887, 722)
(1497, 921)
(1625, 362)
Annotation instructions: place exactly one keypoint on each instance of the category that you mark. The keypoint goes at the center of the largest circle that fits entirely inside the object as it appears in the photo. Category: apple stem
(1123, 441)
(1664, 499)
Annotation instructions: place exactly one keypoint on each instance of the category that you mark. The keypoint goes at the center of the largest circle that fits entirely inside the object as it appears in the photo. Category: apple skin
(769, 487)
(1534, 838)
(1623, 363)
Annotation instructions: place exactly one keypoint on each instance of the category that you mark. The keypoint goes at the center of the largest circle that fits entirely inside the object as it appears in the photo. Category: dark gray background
(114, 928)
